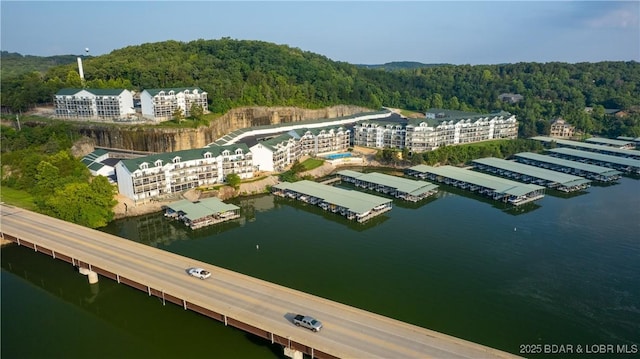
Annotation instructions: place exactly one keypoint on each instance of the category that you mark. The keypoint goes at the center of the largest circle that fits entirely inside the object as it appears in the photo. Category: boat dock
(402, 188)
(624, 164)
(202, 213)
(354, 205)
(615, 143)
(590, 147)
(531, 174)
(499, 189)
(592, 172)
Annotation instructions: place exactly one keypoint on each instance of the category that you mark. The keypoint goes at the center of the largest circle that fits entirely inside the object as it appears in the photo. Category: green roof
(605, 171)
(355, 201)
(403, 185)
(630, 162)
(202, 208)
(589, 146)
(532, 171)
(133, 164)
(154, 92)
(452, 115)
(609, 141)
(272, 143)
(316, 131)
(97, 92)
(497, 184)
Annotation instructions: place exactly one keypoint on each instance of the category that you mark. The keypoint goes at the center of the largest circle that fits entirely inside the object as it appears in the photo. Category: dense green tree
(248, 73)
(233, 180)
(196, 112)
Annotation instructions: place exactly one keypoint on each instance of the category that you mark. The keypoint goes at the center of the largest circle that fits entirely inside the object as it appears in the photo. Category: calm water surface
(563, 271)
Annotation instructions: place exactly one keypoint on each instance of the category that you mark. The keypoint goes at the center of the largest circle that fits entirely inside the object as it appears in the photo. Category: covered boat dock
(592, 172)
(499, 189)
(617, 143)
(202, 213)
(530, 174)
(402, 188)
(623, 164)
(590, 147)
(354, 205)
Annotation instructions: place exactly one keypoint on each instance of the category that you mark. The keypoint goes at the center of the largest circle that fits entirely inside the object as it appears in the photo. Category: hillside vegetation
(239, 73)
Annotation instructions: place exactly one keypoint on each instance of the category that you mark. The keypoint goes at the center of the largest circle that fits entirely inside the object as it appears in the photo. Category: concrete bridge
(255, 306)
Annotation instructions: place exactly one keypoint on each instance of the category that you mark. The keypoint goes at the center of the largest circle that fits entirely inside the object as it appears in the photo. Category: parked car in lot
(199, 273)
(307, 322)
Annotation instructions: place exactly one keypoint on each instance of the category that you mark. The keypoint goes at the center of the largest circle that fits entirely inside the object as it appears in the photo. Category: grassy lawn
(312, 163)
(16, 198)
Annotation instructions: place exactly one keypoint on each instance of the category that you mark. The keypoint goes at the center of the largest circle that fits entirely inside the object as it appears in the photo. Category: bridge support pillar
(91, 275)
(292, 353)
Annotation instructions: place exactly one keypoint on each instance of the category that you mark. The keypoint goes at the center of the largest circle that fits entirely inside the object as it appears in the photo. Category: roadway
(348, 332)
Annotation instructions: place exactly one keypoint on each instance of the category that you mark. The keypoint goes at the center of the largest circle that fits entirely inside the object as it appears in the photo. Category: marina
(592, 172)
(202, 213)
(353, 205)
(627, 165)
(496, 188)
(530, 174)
(402, 188)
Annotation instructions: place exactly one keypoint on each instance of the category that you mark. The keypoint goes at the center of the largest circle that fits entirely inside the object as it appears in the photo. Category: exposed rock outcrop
(153, 139)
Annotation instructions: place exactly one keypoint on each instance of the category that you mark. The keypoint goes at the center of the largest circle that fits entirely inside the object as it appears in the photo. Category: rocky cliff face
(168, 140)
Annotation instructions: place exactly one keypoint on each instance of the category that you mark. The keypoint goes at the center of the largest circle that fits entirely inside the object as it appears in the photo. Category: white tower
(80, 70)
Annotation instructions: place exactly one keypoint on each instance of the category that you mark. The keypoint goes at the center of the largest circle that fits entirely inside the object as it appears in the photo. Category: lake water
(563, 271)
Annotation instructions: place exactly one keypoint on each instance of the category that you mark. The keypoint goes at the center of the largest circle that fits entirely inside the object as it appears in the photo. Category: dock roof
(202, 208)
(355, 201)
(630, 162)
(532, 171)
(609, 141)
(404, 185)
(589, 146)
(604, 171)
(497, 184)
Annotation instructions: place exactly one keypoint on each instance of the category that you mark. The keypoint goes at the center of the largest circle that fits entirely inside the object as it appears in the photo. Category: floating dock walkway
(354, 205)
(592, 172)
(531, 174)
(499, 189)
(402, 188)
(590, 147)
(624, 164)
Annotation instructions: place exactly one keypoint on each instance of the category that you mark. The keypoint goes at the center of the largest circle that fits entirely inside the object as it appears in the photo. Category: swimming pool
(335, 156)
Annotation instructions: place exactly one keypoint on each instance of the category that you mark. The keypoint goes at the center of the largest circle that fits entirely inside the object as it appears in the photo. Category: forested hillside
(13, 64)
(253, 73)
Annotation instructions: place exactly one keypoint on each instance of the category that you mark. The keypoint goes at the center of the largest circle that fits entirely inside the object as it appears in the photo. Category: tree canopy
(239, 73)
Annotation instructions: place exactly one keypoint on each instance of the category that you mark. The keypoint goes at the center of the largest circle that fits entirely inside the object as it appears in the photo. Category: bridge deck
(248, 303)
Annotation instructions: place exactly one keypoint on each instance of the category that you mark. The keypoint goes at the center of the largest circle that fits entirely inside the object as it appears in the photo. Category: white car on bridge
(199, 273)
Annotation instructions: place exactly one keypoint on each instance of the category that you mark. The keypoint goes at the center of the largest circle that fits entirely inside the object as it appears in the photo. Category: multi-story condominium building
(94, 104)
(277, 153)
(161, 104)
(158, 175)
(322, 140)
(439, 128)
(560, 128)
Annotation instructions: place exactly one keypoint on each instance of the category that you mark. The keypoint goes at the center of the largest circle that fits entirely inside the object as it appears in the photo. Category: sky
(357, 32)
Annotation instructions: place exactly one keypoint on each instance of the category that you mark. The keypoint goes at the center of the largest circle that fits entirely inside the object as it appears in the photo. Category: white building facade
(160, 104)
(277, 153)
(439, 128)
(94, 104)
(163, 174)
